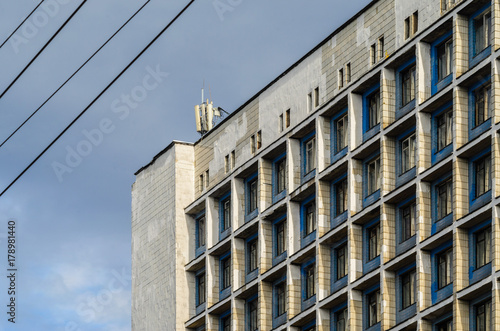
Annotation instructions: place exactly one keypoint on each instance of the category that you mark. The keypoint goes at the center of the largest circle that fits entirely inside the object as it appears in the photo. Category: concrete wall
(160, 240)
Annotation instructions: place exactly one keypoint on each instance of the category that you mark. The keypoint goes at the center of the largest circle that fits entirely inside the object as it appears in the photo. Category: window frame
(336, 153)
(277, 194)
(405, 312)
(339, 282)
(308, 299)
(279, 319)
(445, 151)
(200, 245)
(251, 273)
(403, 108)
(371, 197)
(405, 175)
(308, 170)
(473, 307)
(438, 83)
(371, 263)
(279, 256)
(476, 56)
(440, 223)
(248, 313)
(368, 129)
(367, 323)
(476, 129)
(200, 305)
(224, 292)
(225, 316)
(438, 292)
(444, 318)
(402, 244)
(249, 196)
(337, 218)
(307, 237)
(476, 273)
(476, 201)
(223, 218)
(335, 312)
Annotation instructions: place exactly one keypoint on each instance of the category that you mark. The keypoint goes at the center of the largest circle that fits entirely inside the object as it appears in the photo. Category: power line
(43, 48)
(99, 95)
(21, 24)
(70, 77)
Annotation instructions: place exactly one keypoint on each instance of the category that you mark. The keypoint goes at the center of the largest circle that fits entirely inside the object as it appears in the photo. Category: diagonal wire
(99, 95)
(21, 24)
(70, 77)
(43, 48)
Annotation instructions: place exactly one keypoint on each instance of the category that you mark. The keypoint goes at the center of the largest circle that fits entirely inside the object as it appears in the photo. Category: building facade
(359, 190)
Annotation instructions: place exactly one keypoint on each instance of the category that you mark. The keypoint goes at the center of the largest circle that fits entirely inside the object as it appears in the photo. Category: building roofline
(293, 66)
(174, 142)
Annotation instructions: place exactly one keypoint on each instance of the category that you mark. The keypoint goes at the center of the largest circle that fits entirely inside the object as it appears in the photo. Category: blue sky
(73, 225)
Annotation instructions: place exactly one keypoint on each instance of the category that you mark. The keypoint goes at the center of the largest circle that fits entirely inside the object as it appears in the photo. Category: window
(341, 133)
(233, 159)
(482, 247)
(482, 169)
(280, 298)
(444, 268)
(252, 194)
(201, 289)
(381, 51)
(259, 139)
(373, 242)
(408, 153)
(225, 322)
(207, 178)
(279, 176)
(481, 35)
(341, 261)
(340, 197)
(348, 72)
(316, 97)
(408, 83)
(373, 305)
(445, 326)
(408, 222)
(373, 109)
(310, 155)
(226, 164)
(200, 232)
(444, 131)
(373, 54)
(287, 118)
(482, 316)
(252, 144)
(309, 102)
(281, 124)
(201, 183)
(225, 214)
(444, 53)
(373, 173)
(252, 256)
(309, 218)
(280, 237)
(411, 25)
(341, 78)
(443, 191)
(408, 288)
(225, 266)
(341, 319)
(252, 315)
(482, 104)
(309, 287)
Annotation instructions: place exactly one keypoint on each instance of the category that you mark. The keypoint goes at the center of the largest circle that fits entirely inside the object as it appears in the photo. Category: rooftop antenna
(207, 116)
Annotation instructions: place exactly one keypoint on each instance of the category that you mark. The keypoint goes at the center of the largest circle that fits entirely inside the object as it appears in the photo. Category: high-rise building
(357, 191)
